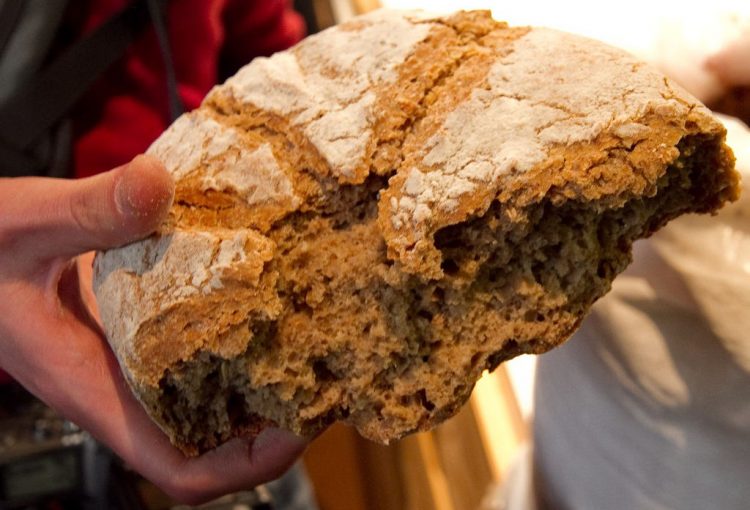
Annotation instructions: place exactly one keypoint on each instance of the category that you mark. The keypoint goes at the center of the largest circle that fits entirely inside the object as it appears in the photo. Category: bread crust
(366, 222)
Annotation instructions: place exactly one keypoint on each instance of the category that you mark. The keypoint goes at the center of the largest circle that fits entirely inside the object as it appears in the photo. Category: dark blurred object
(318, 14)
(48, 463)
(736, 102)
(35, 134)
(259, 499)
(290, 492)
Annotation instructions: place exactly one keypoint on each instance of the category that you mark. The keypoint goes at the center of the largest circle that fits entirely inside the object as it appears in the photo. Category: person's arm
(51, 342)
(732, 64)
(731, 67)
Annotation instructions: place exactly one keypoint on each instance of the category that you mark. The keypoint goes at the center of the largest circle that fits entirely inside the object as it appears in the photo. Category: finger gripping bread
(366, 222)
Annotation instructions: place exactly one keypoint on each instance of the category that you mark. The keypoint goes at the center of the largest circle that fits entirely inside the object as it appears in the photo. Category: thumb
(114, 208)
(54, 218)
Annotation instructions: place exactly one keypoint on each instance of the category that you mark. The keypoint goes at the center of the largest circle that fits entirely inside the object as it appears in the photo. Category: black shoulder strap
(10, 13)
(35, 108)
(156, 8)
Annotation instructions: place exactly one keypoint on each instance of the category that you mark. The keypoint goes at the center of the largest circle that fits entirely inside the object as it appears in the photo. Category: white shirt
(648, 405)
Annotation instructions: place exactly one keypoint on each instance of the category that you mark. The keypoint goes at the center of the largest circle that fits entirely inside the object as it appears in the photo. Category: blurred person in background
(648, 405)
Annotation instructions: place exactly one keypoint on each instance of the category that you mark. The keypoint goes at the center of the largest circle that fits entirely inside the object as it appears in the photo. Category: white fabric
(648, 406)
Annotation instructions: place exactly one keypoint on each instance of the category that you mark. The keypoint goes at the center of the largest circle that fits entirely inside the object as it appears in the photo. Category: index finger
(107, 408)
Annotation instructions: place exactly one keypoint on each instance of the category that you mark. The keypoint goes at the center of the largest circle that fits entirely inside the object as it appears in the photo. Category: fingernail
(144, 190)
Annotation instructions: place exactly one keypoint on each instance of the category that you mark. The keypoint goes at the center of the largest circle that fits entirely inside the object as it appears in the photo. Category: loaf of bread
(365, 223)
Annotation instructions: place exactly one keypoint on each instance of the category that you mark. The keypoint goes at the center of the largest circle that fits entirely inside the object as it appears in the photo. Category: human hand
(732, 63)
(51, 341)
(731, 66)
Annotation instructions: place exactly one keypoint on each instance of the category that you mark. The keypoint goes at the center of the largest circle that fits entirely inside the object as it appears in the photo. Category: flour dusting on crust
(159, 273)
(327, 83)
(552, 89)
(197, 143)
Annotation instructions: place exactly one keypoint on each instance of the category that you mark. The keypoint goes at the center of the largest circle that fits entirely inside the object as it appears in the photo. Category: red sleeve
(127, 108)
(257, 28)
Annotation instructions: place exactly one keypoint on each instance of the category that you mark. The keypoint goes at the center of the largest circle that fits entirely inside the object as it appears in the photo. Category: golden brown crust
(358, 235)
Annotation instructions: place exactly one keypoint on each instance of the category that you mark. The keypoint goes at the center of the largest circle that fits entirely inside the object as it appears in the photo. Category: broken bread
(366, 222)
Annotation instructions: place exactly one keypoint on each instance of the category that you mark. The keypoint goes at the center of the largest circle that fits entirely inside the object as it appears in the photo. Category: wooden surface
(335, 467)
(363, 6)
(449, 468)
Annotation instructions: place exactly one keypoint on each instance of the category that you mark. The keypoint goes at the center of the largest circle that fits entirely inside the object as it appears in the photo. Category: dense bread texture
(365, 223)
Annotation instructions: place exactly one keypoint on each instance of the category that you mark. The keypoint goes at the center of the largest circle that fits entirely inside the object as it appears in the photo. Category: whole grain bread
(365, 223)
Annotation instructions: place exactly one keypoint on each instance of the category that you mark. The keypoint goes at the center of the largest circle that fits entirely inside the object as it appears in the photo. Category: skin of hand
(732, 64)
(731, 70)
(52, 343)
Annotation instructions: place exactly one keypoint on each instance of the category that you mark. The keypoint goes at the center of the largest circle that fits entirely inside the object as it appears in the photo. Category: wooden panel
(499, 420)
(333, 464)
(424, 481)
(449, 468)
(363, 6)
(464, 459)
(384, 481)
(323, 14)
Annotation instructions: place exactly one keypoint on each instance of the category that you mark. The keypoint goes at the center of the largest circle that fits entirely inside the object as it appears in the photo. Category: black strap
(36, 108)
(10, 13)
(176, 107)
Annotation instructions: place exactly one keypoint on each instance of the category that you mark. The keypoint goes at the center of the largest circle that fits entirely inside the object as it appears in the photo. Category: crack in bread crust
(382, 353)
(294, 285)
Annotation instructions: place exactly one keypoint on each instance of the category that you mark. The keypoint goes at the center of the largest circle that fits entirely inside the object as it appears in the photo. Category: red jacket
(127, 108)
